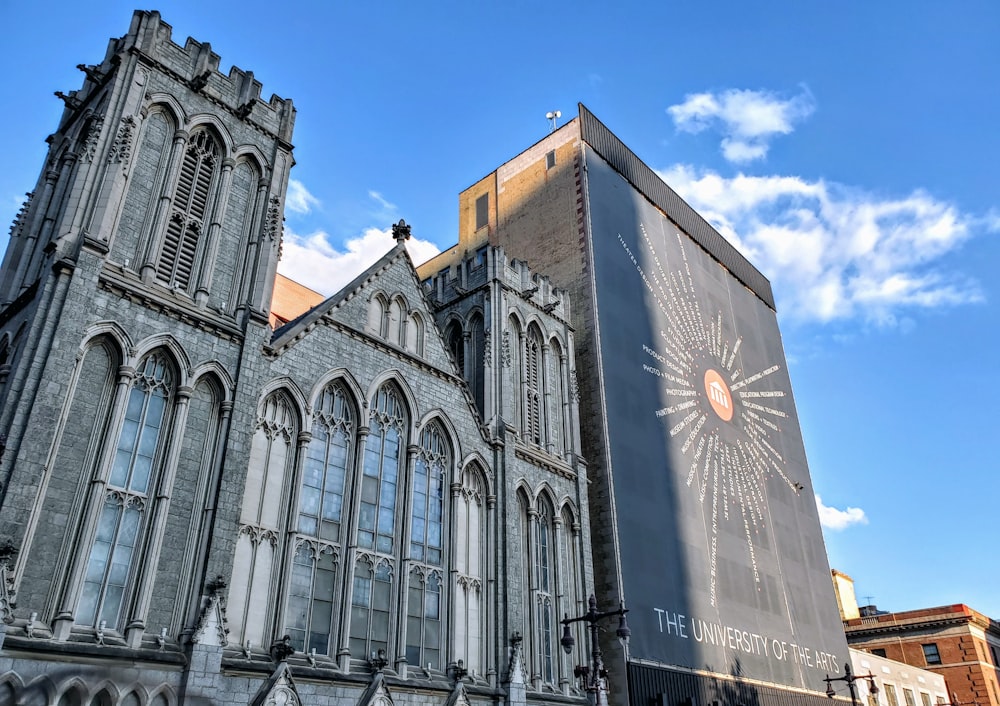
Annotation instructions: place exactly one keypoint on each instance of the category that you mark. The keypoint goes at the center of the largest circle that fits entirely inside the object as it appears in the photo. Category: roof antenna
(552, 116)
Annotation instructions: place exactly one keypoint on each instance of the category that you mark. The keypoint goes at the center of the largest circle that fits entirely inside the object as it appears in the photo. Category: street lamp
(850, 679)
(594, 675)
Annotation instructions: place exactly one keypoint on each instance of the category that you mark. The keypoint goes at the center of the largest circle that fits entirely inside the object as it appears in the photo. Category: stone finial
(401, 231)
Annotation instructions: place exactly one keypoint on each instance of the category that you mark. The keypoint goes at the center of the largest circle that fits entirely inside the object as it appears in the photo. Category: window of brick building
(550, 159)
(908, 695)
(925, 699)
(482, 211)
(931, 653)
(878, 652)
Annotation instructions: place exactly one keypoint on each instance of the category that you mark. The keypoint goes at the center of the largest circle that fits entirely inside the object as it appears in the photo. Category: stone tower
(138, 275)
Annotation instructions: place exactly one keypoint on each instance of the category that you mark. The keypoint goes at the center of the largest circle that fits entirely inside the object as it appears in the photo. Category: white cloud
(311, 259)
(299, 200)
(748, 120)
(834, 252)
(833, 519)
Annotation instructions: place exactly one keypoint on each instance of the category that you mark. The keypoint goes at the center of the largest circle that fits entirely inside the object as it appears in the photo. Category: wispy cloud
(311, 259)
(298, 199)
(833, 519)
(835, 252)
(380, 200)
(747, 120)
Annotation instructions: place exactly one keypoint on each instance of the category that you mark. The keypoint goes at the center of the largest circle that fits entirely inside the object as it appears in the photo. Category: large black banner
(722, 556)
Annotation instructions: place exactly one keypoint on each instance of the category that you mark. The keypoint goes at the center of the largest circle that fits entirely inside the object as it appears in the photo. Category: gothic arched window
(128, 495)
(533, 386)
(377, 523)
(272, 455)
(456, 344)
(188, 215)
(317, 546)
(424, 602)
(545, 587)
(470, 525)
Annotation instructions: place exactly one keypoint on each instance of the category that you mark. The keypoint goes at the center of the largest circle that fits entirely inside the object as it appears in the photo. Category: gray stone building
(381, 501)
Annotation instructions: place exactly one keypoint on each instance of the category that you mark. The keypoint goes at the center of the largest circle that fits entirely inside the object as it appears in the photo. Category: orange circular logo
(718, 395)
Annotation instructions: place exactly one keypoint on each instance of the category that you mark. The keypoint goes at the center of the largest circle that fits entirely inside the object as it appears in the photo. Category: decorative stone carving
(278, 690)
(88, 146)
(515, 667)
(574, 386)
(505, 348)
(487, 350)
(121, 150)
(274, 219)
(8, 599)
(212, 627)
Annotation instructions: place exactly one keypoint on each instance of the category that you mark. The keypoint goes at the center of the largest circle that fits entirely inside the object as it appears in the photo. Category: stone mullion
(522, 364)
(488, 612)
(280, 592)
(404, 493)
(63, 620)
(211, 242)
(37, 219)
(565, 427)
(560, 568)
(163, 205)
(54, 210)
(350, 555)
(544, 389)
(198, 545)
(534, 658)
(243, 283)
(147, 566)
(452, 584)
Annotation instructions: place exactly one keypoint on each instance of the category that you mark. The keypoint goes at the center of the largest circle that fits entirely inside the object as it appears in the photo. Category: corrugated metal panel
(657, 686)
(624, 161)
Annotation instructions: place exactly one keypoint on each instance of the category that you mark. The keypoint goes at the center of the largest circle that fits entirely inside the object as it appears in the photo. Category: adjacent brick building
(955, 641)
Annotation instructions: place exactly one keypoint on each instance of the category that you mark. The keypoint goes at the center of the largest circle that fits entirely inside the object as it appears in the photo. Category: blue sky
(850, 149)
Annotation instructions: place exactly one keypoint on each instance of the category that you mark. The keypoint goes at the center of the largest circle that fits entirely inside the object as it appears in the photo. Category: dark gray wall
(722, 557)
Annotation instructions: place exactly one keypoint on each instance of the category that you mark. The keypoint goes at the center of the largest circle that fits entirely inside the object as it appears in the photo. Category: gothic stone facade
(198, 508)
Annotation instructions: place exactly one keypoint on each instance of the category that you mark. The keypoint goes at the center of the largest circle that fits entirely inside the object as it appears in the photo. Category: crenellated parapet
(491, 264)
(195, 66)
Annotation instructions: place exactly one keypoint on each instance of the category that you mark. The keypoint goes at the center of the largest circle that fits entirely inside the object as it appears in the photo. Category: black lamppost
(595, 674)
(850, 679)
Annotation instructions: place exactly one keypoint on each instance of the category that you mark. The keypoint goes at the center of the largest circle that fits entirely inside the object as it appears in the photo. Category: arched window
(545, 585)
(558, 408)
(377, 523)
(381, 472)
(533, 387)
(317, 546)
(469, 532)
(415, 334)
(272, 453)
(477, 372)
(188, 211)
(424, 603)
(377, 307)
(396, 320)
(128, 497)
(456, 344)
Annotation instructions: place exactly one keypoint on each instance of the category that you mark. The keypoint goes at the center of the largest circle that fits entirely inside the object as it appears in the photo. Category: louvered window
(533, 391)
(188, 211)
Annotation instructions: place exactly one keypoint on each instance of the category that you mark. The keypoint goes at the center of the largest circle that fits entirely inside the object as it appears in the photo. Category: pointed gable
(386, 303)
(377, 693)
(278, 690)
